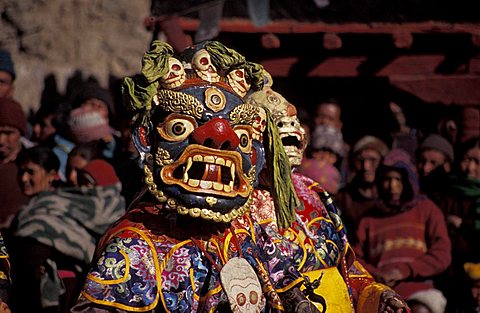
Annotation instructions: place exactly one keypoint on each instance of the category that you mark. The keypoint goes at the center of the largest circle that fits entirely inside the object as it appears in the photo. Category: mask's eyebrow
(178, 102)
(244, 114)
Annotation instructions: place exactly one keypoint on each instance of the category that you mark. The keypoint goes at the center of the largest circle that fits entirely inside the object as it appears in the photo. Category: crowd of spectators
(403, 204)
(411, 207)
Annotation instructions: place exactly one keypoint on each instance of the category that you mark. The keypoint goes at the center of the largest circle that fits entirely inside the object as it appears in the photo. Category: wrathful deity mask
(284, 115)
(201, 143)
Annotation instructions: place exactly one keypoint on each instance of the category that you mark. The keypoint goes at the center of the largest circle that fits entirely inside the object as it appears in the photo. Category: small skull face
(293, 137)
(244, 291)
(284, 115)
(175, 76)
(238, 82)
(203, 66)
(260, 123)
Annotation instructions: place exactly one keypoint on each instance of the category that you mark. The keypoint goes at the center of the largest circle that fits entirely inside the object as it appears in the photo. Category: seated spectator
(13, 125)
(80, 156)
(91, 117)
(51, 130)
(327, 145)
(359, 195)
(55, 234)
(434, 163)
(461, 206)
(403, 241)
(324, 154)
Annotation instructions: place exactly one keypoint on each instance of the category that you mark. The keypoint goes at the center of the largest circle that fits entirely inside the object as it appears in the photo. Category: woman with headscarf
(403, 242)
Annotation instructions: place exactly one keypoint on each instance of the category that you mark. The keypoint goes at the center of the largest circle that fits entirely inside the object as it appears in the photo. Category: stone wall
(102, 38)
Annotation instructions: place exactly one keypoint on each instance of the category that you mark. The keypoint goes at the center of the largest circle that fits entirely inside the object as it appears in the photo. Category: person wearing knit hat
(97, 173)
(327, 144)
(434, 159)
(13, 124)
(87, 124)
(91, 95)
(7, 74)
(433, 152)
(360, 192)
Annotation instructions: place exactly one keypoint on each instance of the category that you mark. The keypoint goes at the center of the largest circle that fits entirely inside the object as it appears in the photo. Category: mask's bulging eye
(243, 140)
(273, 99)
(244, 133)
(177, 127)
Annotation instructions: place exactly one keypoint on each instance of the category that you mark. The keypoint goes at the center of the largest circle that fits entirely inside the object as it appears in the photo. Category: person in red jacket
(404, 241)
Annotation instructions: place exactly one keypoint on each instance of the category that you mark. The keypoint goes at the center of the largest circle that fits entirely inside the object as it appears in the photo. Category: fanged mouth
(294, 140)
(204, 170)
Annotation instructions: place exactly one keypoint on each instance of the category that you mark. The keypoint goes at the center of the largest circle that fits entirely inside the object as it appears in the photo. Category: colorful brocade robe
(336, 283)
(148, 263)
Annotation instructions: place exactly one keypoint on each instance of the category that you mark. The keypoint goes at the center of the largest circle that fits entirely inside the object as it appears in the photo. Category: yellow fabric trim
(369, 299)
(267, 221)
(229, 238)
(252, 232)
(328, 220)
(213, 291)
(217, 246)
(114, 281)
(114, 304)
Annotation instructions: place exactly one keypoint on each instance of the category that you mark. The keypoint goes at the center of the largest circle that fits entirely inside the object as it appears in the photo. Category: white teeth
(209, 159)
(193, 182)
(205, 184)
(218, 186)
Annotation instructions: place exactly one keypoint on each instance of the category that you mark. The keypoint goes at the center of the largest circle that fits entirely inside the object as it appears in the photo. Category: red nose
(216, 134)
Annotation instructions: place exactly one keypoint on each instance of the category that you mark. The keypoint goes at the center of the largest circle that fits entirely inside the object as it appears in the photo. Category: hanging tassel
(284, 195)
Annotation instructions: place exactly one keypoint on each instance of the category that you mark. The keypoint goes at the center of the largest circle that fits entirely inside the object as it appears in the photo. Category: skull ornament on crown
(284, 115)
(200, 143)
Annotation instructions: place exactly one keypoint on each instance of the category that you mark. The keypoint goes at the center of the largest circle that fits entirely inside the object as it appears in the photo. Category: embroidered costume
(334, 280)
(190, 244)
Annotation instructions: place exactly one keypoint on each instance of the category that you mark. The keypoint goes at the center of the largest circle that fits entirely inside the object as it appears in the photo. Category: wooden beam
(239, 25)
(447, 90)
(336, 66)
